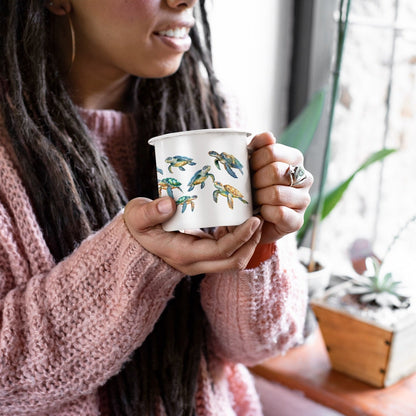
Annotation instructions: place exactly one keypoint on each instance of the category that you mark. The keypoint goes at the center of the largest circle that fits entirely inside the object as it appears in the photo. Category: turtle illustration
(158, 170)
(229, 192)
(200, 177)
(230, 162)
(179, 162)
(168, 184)
(185, 201)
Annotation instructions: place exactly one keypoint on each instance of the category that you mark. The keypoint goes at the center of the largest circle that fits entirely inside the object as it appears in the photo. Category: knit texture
(67, 328)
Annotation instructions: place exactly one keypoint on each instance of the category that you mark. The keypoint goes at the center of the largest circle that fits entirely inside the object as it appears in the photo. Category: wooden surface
(307, 368)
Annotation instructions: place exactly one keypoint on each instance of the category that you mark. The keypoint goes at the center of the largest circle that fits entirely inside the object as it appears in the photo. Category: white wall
(251, 51)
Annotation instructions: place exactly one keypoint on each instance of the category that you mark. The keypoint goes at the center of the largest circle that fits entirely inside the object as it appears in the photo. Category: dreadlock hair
(74, 190)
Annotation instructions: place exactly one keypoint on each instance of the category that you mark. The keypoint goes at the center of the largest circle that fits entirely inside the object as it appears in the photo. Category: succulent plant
(377, 287)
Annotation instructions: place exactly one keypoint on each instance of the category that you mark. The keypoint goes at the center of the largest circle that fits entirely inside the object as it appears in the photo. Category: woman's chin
(160, 69)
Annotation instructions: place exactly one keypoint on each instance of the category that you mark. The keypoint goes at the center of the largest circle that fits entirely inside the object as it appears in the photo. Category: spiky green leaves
(378, 287)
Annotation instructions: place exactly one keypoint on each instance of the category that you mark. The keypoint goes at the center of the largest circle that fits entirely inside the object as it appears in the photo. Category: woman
(99, 312)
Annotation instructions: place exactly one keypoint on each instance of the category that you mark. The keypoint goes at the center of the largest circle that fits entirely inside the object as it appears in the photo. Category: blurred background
(272, 57)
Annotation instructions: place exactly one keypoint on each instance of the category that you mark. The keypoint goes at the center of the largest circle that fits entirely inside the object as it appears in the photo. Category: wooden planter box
(372, 353)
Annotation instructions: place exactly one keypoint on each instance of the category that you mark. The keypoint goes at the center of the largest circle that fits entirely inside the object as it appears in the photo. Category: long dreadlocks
(74, 190)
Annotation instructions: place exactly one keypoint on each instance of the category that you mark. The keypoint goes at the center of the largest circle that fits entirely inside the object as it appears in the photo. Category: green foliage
(301, 130)
(334, 195)
(377, 287)
(300, 134)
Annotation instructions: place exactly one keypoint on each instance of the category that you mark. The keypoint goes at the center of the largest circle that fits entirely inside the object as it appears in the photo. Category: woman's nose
(181, 3)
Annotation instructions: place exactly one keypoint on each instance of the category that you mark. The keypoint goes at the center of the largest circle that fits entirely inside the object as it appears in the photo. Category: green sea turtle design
(185, 201)
(179, 162)
(230, 162)
(168, 184)
(200, 177)
(229, 192)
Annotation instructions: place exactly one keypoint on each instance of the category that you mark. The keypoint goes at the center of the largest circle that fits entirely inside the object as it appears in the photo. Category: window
(376, 109)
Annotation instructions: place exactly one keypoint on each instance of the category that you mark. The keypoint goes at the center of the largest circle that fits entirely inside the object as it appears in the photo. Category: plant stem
(386, 120)
(397, 236)
(342, 29)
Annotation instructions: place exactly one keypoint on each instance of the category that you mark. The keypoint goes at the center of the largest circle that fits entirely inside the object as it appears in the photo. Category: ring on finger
(297, 174)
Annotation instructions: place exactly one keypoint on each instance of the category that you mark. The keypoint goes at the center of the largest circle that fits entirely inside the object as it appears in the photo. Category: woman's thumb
(142, 213)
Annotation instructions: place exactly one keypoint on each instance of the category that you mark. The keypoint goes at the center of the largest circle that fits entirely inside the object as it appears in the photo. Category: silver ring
(297, 174)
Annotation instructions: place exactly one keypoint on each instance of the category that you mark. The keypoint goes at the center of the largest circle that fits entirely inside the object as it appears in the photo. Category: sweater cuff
(262, 253)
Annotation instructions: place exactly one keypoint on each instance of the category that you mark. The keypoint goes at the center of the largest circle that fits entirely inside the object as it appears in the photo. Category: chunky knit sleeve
(257, 313)
(66, 328)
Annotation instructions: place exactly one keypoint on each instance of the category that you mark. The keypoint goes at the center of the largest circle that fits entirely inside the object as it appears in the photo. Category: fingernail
(254, 227)
(164, 206)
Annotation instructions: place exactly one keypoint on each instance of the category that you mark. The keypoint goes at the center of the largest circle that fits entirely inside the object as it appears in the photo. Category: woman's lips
(176, 38)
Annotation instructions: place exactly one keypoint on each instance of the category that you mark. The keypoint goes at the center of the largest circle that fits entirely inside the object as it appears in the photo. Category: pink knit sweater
(66, 328)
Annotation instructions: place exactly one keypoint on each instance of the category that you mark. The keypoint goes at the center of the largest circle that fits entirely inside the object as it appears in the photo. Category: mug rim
(155, 139)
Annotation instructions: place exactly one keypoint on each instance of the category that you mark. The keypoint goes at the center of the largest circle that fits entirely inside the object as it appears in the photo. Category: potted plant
(367, 322)
(300, 134)
(316, 264)
(377, 318)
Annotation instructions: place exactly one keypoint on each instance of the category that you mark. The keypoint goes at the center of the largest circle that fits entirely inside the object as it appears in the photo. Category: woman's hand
(281, 205)
(190, 254)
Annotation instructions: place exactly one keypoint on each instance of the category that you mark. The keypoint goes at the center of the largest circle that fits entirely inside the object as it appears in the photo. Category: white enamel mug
(207, 173)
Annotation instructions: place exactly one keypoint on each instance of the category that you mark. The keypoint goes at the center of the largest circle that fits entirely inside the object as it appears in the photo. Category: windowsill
(307, 368)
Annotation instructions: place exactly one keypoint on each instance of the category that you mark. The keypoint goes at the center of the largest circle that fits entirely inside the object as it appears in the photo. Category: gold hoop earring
(73, 44)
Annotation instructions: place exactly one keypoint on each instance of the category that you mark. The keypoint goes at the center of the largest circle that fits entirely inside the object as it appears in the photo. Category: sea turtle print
(179, 162)
(168, 184)
(229, 192)
(158, 170)
(200, 177)
(230, 162)
(185, 201)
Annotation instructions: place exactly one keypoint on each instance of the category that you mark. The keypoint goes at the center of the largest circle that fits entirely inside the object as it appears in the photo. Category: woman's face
(146, 38)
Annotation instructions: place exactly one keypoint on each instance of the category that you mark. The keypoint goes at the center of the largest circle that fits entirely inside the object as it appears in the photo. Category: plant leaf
(301, 130)
(387, 277)
(368, 297)
(307, 220)
(393, 287)
(359, 290)
(387, 299)
(374, 281)
(333, 196)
